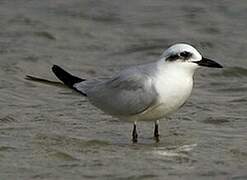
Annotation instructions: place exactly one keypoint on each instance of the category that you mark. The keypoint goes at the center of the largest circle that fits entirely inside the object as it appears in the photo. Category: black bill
(208, 63)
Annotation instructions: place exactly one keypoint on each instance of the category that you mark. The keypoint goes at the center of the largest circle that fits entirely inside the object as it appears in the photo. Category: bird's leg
(156, 131)
(134, 133)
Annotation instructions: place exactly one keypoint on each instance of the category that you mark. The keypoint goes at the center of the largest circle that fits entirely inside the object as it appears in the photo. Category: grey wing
(129, 93)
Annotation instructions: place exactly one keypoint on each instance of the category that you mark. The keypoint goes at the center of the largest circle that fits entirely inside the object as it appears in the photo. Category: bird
(146, 92)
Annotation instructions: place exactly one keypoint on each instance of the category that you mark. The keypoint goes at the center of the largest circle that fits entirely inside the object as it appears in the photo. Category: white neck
(176, 69)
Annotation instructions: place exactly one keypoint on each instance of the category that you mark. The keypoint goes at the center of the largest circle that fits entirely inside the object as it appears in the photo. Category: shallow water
(49, 132)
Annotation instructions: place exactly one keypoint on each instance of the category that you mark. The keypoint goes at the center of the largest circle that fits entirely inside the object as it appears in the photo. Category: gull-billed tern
(145, 92)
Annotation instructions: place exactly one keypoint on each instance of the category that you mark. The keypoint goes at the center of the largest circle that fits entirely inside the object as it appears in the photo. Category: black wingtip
(67, 78)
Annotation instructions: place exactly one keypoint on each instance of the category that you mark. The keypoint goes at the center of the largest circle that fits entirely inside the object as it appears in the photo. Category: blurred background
(51, 132)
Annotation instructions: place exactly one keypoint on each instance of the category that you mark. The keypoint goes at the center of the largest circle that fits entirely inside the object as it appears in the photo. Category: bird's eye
(185, 54)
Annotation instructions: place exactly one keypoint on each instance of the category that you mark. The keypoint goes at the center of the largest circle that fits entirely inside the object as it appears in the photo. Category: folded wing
(129, 93)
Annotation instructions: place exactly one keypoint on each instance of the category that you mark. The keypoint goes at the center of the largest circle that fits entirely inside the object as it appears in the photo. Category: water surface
(49, 132)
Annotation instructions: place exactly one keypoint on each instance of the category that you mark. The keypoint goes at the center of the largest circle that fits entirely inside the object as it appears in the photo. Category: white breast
(174, 88)
(173, 93)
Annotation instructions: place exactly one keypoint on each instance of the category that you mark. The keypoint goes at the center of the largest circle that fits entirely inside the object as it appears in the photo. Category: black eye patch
(185, 55)
(172, 57)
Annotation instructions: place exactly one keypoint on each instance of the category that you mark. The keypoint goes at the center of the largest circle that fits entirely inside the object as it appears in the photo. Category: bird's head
(187, 57)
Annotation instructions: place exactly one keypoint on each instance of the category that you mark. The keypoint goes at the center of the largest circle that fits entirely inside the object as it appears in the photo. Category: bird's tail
(44, 81)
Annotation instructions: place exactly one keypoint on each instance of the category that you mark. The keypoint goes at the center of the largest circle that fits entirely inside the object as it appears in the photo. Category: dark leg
(156, 131)
(134, 133)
